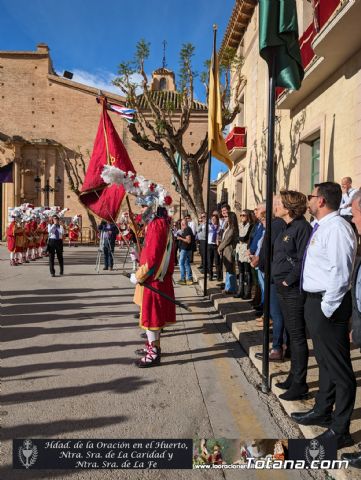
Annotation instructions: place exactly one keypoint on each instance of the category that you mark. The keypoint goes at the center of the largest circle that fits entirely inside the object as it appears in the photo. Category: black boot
(287, 383)
(297, 391)
(240, 293)
(248, 286)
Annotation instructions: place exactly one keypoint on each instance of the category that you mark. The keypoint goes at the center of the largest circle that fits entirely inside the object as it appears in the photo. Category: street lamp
(47, 189)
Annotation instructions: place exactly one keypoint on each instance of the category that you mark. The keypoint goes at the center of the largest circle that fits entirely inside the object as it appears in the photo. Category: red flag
(102, 199)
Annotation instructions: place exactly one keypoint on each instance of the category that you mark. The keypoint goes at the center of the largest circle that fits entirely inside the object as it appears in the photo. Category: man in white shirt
(347, 195)
(326, 278)
(355, 457)
(55, 245)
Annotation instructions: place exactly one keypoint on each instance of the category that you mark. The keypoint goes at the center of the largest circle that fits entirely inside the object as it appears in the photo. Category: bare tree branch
(158, 126)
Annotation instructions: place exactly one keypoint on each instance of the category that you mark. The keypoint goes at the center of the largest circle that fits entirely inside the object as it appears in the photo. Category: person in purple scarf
(213, 255)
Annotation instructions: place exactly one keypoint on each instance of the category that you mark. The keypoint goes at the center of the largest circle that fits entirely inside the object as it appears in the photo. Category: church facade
(45, 116)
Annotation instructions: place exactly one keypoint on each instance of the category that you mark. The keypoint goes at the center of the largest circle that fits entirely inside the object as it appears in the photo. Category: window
(163, 84)
(315, 162)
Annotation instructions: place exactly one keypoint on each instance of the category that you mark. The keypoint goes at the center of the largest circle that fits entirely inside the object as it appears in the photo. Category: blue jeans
(231, 282)
(185, 264)
(260, 276)
(279, 336)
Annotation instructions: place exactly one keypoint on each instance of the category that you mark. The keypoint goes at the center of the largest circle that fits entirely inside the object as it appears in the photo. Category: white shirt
(222, 221)
(358, 289)
(193, 227)
(346, 200)
(329, 261)
(259, 244)
(210, 234)
(51, 231)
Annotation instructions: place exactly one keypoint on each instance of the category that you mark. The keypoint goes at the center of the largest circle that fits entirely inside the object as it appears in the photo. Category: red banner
(102, 199)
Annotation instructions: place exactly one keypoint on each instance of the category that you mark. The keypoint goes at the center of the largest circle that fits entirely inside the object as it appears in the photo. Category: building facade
(45, 116)
(317, 130)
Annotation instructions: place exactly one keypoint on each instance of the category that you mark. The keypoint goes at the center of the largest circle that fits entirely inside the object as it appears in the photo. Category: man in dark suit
(108, 233)
(55, 245)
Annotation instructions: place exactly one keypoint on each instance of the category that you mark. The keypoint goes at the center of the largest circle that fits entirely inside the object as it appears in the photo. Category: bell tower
(162, 78)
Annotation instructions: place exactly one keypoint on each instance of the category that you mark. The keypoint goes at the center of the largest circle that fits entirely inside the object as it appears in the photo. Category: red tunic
(29, 233)
(119, 237)
(43, 230)
(35, 227)
(10, 237)
(73, 232)
(156, 311)
(19, 239)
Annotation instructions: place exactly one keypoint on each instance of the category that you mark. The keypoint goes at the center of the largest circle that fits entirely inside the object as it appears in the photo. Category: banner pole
(205, 260)
(269, 214)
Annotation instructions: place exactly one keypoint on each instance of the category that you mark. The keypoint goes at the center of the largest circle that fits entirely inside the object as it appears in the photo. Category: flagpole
(134, 226)
(205, 260)
(269, 210)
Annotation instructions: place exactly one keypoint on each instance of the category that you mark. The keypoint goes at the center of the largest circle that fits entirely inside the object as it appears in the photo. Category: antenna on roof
(164, 47)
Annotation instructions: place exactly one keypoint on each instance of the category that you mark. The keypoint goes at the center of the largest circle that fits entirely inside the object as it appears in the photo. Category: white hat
(147, 192)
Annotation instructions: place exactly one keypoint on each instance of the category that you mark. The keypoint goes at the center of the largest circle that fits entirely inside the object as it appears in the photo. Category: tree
(75, 168)
(158, 130)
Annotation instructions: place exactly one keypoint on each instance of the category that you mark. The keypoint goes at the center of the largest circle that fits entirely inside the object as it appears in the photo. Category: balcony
(324, 51)
(236, 142)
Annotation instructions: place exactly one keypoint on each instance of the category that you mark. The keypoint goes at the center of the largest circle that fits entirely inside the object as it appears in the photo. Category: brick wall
(36, 104)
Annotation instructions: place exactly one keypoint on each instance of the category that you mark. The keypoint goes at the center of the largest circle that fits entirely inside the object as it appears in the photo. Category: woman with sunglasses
(243, 260)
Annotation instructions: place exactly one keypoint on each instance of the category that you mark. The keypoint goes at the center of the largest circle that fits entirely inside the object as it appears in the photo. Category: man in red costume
(43, 233)
(156, 263)
(19, 242)
(30, 229)
(37, 235)
(74, 231)
(11, 239)
(156, 267)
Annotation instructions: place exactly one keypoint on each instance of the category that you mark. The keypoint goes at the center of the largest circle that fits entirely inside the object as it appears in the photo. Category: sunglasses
(243, 215)
(312, 196)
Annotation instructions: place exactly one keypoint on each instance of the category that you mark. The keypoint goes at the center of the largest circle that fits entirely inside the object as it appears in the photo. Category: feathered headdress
(147, 192)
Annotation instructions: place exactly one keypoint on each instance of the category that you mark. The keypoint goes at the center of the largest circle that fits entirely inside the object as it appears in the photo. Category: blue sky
(90, 38)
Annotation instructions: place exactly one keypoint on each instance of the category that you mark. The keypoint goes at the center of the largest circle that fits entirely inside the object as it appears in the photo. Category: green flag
(278, 35)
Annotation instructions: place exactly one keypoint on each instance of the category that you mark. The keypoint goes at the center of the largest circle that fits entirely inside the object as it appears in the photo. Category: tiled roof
(164, 97)
(163, 71)
(240, 18)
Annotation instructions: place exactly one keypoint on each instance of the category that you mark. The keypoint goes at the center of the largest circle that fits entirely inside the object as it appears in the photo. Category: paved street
(68, 372)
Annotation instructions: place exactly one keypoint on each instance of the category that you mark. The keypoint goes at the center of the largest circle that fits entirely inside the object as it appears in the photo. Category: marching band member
(74, 231)
(30, 240)
(156, 264)
(43, 233)
(11, 233)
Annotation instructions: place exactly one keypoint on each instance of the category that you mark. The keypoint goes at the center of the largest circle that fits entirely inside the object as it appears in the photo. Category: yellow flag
(216, 144)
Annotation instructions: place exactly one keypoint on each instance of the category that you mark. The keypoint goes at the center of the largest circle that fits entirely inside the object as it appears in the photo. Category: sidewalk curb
(240, 319)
